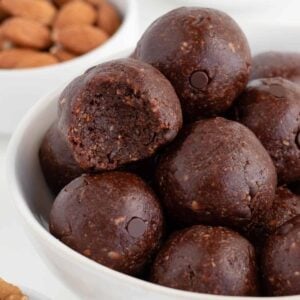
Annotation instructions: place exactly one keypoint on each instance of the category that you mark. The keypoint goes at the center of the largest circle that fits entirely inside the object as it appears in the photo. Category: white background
(19, 262)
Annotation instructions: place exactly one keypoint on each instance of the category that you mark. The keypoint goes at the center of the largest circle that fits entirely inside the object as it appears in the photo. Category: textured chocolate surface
(118, 112)
(276, 64)
(113, 218)
(203, 53)
(281, 260)
(57, 162)
(217, 173)
(271, 109)
(206, 259)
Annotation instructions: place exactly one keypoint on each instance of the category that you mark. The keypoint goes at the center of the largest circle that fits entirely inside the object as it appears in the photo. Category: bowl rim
(130, 10)
(61, 249)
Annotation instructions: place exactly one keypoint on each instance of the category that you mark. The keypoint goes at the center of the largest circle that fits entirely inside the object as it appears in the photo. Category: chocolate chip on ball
(281, 260)
(118, 112)
(57, 162)
(217, 173)
(204, 259)
(113, 218)
(276, 64)
(271, 109)
(204, 54)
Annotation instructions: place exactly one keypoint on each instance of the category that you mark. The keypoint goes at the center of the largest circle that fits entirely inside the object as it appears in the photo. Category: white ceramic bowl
(33, 295)
(33, 201)
(20, 89)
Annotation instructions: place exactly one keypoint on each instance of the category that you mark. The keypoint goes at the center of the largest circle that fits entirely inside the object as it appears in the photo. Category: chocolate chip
(277, 90)
(199, 80)
(136, 227)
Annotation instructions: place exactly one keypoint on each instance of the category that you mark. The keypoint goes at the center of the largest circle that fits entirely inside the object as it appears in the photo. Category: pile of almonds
(37, 33)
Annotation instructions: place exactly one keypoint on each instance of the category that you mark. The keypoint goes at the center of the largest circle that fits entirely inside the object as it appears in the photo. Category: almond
(3, 13)
(42, 11)
(24, 58)
(62, 54)
(75, 13)
(80, 38)
(61, 2)
(26, 33)
(108, 18)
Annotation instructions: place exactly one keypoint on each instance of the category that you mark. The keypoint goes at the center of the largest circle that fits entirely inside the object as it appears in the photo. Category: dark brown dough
(204, 259)
(57, 162)
(113, 218)
(217, 173)
(204, 54)
(118, 112)
(276, 64)
(271, 109)
(281, 260)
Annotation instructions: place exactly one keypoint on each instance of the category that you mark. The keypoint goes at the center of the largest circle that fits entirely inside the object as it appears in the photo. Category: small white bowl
(20, 89)
(33, 201)
(33, 295)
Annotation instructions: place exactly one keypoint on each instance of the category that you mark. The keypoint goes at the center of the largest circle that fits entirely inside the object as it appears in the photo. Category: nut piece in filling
(113, 218)
(217, 173)
(205, 259)
(281, 260)
(118, 112)
(203, 53)
(10, 292)
(276, 64)
(270, 107)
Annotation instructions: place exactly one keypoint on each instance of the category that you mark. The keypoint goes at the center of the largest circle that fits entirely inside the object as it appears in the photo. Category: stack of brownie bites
(179, 165)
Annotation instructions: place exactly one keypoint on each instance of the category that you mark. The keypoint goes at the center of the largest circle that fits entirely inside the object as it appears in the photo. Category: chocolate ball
(57, 162)
(286, 205)
(276, 64)
(271, 109)
(113, 218)
(281, 260)
(203, 53)
(217, 173)
(118, 112)
(204, 259)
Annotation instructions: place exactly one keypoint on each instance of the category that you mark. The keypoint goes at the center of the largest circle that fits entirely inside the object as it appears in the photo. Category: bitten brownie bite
(271, 109)
(281, 260)
(207, 259)
(276, 64)
(118, 112)
(57, 162)
(203, 53)
(217, 173)
(113, 218)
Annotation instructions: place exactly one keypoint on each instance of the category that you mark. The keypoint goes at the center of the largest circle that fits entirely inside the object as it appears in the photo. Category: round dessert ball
(281, 260)
(57, 162)
(217, 173)
(271, 109)
(204, 259)
(286, 205)
(203, 53)
(113, 218)
(276, 64)
(118, 112)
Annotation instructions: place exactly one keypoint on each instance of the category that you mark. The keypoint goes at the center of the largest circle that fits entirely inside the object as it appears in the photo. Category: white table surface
(19, 263)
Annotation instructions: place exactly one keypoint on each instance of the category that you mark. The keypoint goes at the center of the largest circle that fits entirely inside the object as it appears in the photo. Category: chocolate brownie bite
(57, 162)
(271, 109)
(204, 54)
(113, 218)
(217, 173)
(118, 112)
(276, 64)
(205, 259)
(281, 260)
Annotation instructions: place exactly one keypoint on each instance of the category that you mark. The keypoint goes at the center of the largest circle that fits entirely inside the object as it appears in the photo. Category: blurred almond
(24, 58)
(108, 18)
(80, 38)
(75, 13)
(3, 13)
(2, 40)
(26, 33)
(96, 2)
(62, 54)
(61, 2)
(42, 11)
